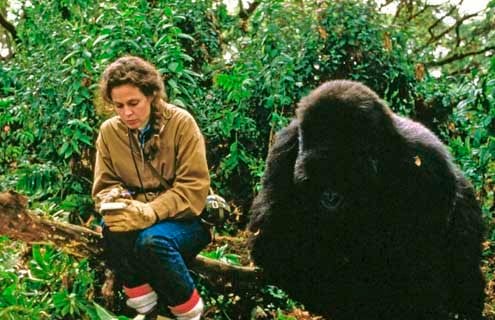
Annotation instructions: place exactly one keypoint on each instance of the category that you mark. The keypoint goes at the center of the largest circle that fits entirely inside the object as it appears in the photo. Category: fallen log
(18, 223)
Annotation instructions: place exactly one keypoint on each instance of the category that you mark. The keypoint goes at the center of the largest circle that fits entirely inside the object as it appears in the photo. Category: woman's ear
(152, 99)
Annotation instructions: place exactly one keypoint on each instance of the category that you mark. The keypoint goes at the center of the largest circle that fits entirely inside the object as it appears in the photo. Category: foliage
(296, 47)
(49, 124)
(472, 138)
(104, 314)
(267, 302)
(220, 254)
(54, 285)
(445, 36)
(239, 102)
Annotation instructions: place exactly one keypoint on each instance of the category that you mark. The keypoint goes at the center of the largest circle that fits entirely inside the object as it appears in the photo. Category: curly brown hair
(132, 70)
(142, 74)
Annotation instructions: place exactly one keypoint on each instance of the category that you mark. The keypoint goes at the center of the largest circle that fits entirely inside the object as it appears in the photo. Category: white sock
(144, 303)
(189, 310)
(194, 313)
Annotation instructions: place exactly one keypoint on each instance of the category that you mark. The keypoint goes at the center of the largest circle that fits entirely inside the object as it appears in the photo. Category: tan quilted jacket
(181, 160)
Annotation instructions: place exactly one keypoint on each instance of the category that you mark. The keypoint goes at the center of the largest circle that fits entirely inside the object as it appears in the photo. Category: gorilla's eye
(331, 200)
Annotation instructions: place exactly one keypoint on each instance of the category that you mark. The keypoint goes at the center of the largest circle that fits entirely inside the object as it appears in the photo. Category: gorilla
(363, 214)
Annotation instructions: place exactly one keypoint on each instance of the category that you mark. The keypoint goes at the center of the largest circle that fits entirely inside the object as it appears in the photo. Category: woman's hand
(136, 216)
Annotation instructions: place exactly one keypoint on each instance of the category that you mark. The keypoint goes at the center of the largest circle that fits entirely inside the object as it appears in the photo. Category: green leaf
(73, 53)
(173, 66)
(185, 36)
(62, 150)
(103, 314)
(99, 39)
(8, 294)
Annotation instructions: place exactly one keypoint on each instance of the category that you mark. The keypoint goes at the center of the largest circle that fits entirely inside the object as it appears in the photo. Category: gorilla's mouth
(331, 200)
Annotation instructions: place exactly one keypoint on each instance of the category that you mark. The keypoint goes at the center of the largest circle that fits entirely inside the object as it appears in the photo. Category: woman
(151, 157)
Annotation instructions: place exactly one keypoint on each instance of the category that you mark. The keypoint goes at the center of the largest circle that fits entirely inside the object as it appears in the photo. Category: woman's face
(132, 106)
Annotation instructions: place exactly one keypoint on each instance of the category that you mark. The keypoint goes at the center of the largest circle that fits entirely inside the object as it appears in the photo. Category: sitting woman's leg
(163, 250)
(120, 256)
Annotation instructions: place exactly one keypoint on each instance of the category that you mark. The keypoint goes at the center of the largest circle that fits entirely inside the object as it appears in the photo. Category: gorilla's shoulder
(286, 140)
(289, 134)
(420, 139)
(416, 133)
(423, 158)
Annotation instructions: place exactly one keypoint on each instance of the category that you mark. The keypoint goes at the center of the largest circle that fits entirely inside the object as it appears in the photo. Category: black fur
(363, 214)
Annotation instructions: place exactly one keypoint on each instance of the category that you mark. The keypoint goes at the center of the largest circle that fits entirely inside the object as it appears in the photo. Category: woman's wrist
(157, 217)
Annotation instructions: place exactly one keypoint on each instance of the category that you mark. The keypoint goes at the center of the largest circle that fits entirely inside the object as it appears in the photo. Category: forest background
(239, 71)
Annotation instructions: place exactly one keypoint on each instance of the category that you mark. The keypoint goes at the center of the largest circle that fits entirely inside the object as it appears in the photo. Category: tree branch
(18, 223)
(410, 10)
(437, 22)
(421, 11)
(435, 38)
(244, 13)
(458, 56)
(383, 5)
(9, 27)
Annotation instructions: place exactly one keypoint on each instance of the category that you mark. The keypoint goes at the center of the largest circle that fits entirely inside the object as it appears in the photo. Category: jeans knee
(118, 241)
(148, 242)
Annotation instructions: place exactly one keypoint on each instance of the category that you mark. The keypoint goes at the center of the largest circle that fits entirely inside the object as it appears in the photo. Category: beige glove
(111, 195)
(136, 216)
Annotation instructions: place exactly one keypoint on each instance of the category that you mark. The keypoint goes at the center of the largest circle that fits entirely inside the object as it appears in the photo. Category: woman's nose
(127, 111)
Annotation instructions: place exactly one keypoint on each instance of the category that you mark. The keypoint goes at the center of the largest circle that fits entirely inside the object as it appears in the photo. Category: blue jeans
(157, 255)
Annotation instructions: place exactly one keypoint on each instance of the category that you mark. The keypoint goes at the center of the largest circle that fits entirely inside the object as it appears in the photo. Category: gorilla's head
(343, 127)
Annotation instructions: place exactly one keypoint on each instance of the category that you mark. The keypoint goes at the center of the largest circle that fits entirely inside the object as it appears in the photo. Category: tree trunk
(18, 223)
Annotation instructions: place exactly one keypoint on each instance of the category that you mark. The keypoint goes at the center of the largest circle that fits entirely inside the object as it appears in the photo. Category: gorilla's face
(339, 133)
